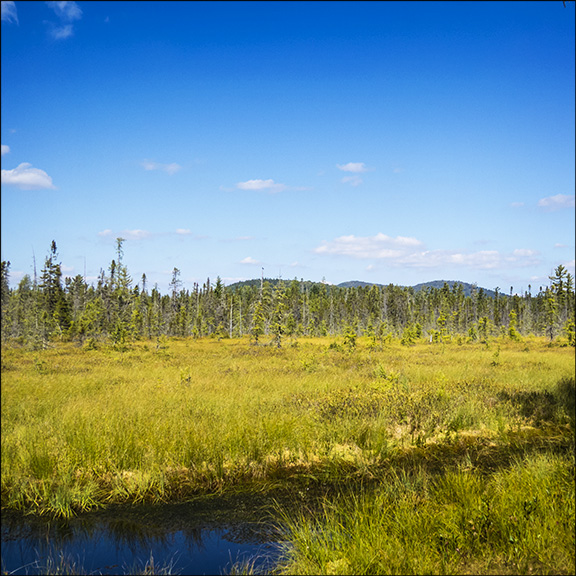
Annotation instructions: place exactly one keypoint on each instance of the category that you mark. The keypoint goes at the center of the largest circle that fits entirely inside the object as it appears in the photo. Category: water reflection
(203, 537)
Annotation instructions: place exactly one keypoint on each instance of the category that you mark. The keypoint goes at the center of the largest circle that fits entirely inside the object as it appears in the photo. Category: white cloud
(481, 260)
(126, 234)
(353, 167)
(169, 168)
(249, 260)
(135, 234)
(9, 12)
(352, 180)
(257, 184)
(516, 204)
(558, 202)
(183, 231)
(5, 149)
(62, 32)
(379, 246)
(524, 252)
(27, 178)
(404, 251)
(67, 11)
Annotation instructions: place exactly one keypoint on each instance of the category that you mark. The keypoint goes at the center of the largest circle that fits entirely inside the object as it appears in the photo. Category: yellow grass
(83, 428)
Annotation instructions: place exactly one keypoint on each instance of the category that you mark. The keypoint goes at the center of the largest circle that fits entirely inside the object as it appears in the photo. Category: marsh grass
(83, 428)
(517, 520)
(86, 428)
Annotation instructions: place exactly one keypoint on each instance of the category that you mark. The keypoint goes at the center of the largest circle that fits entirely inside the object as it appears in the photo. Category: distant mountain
(273, 282)
(467, 288)
(356, 284)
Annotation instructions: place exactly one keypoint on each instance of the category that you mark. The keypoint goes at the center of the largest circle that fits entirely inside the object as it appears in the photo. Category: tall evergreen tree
(5, 298)
(55, 309)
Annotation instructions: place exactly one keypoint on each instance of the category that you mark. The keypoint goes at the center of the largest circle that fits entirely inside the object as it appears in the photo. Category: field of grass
(447, 458)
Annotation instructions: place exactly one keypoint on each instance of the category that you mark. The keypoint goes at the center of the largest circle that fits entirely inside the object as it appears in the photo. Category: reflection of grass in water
(150, 567)
(262, 563)
(60, 563)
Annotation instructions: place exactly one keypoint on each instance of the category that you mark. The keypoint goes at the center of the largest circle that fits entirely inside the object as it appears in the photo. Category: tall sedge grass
(85, 428)
(517, 520)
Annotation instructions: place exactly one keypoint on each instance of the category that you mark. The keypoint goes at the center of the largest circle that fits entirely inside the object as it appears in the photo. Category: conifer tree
(55, 311)
(5, 297)
(258, 322)
(279, 317)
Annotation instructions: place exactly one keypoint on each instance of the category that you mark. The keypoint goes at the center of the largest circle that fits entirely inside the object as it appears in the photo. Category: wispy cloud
(352, 180)
(183, 231)
(27, 178)
(67, 12)
(238, 239)
(267, 185)
(558, 202)
(249, 260)
(378, 246)
(135, 234)
(126, 234)
(5, 149)
(481, 260)
(356, 167)
(62, 32)
(168, 168)
(410, 252)
(9, 12)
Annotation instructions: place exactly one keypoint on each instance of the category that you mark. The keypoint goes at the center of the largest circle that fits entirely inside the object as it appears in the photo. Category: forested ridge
(117, 309)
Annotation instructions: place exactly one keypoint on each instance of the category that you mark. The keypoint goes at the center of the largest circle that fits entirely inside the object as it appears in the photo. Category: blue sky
(389, 142)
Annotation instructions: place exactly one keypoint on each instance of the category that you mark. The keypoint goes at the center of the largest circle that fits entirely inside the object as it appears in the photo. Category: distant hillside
(273, 282)
(467, 288)
(356, 284)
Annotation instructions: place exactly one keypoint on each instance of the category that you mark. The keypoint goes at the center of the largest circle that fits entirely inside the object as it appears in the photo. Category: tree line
(117, 310)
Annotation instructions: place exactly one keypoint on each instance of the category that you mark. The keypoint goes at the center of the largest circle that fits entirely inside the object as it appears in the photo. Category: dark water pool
(208, 536)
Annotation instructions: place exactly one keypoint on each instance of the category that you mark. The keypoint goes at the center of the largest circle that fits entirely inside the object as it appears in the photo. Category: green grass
(87, 428)
(519, 520)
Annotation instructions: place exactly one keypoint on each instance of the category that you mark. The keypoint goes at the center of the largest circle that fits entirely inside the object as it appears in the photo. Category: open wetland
(219, 456)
